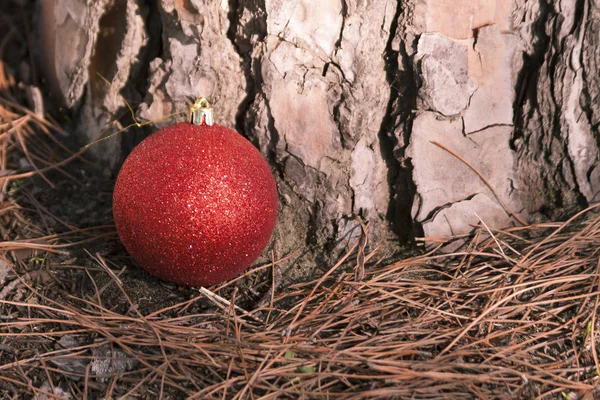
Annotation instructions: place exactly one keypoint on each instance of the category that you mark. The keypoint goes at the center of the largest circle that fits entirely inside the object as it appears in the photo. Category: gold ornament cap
(201, 111)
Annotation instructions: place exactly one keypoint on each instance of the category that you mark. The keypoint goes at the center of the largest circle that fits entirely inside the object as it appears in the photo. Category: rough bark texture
(344, 98)
(556, 135)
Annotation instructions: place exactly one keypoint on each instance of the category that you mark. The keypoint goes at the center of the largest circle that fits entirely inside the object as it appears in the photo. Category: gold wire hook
(135, 121)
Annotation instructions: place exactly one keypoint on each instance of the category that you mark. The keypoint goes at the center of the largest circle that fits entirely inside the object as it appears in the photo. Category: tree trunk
(345, 99)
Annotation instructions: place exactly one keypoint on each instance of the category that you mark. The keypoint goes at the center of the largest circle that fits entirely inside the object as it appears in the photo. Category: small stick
(225, 304)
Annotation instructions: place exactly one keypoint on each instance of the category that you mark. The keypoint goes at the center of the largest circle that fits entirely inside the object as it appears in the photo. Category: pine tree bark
(345, 99)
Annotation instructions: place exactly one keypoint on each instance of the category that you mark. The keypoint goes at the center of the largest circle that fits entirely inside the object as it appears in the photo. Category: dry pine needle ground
(513, 314)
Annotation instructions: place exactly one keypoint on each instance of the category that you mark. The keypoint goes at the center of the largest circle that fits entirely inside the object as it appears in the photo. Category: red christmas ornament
(195, 203)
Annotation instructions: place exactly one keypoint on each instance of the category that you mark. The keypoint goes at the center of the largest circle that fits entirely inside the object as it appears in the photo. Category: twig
(225, 304)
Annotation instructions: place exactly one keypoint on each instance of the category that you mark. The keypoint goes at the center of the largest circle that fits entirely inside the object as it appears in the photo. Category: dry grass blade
(360, 255)
(506, 207)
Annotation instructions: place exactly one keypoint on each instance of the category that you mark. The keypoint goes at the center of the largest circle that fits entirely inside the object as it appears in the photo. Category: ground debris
(46, 390)
(108, 361)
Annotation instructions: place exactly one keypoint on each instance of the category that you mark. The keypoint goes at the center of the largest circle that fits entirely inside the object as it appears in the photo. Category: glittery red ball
(195, 205)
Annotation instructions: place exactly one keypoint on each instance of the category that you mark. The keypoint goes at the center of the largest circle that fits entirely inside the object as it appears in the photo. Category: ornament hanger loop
(201, 111)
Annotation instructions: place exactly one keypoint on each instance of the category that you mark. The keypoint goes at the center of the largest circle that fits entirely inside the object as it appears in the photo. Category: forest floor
(511, 314)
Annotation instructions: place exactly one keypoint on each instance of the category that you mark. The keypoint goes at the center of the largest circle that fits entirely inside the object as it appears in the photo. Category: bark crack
(526, 85)
(244, 36)
(338, 43)
(343, 134)
(338, 123)
(488, 127)
(398, 115)
(435, 211)
(114, 59)
(152, 50)
(274, 138)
